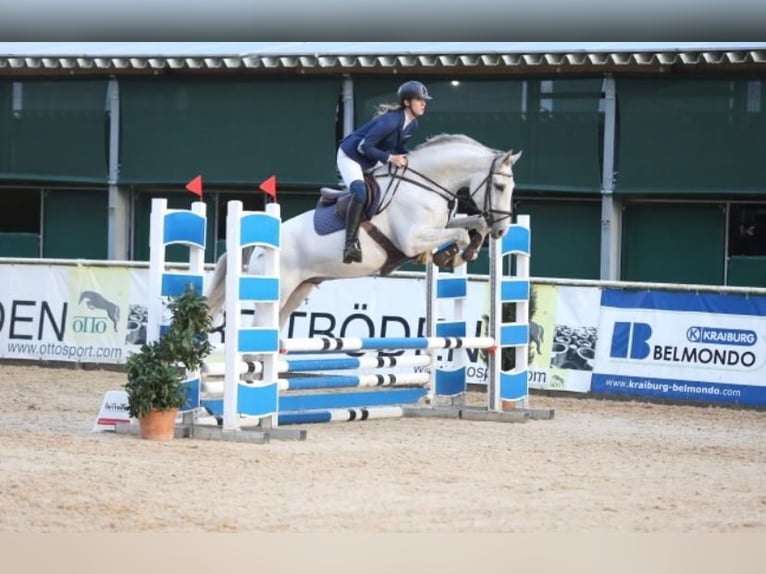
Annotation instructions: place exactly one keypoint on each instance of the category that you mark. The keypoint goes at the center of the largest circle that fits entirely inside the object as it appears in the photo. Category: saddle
(329, 196)
(341, 197)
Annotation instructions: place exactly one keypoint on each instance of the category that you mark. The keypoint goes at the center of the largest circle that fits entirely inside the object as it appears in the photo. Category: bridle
(488, 211)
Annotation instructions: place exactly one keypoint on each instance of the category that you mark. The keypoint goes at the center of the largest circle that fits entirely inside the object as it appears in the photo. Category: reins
(396, 176)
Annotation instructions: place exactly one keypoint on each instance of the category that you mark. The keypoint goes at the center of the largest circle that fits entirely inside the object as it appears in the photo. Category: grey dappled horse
(415, 215)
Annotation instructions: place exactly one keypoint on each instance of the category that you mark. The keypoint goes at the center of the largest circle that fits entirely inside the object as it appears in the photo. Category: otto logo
(711, 335)
(84, 324)
(629, 340)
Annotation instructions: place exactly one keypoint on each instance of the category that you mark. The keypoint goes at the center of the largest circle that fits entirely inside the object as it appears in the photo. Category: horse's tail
(217, 291)
(216, 294)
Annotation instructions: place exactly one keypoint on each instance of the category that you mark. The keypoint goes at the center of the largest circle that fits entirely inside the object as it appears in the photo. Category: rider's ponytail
(383, 108)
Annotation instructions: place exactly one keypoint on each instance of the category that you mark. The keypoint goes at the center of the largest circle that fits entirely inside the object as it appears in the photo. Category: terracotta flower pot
(158, 425)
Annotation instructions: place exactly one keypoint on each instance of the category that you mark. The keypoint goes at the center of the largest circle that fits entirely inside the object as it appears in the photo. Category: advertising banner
(563, 323)
(68, 313)
(689, 346)
(698, 347)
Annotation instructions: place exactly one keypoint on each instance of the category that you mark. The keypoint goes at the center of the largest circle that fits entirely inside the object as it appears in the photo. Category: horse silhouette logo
(536, 333)
(97, 301)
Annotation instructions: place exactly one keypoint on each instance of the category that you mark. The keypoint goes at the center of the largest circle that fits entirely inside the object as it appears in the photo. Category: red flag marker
(195, 186)
(270, 187)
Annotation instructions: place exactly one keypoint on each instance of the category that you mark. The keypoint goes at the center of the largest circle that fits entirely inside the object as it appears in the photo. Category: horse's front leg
(424, 241)
(467, 255)
(477, 222)
(478, 230)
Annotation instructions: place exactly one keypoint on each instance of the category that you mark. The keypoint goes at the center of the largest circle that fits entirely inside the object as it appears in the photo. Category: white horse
(415, 216)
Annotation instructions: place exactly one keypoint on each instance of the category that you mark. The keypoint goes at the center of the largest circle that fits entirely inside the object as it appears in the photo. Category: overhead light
(455, 82)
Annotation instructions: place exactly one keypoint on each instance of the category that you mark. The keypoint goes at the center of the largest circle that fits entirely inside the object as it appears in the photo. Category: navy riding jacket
(382, 136)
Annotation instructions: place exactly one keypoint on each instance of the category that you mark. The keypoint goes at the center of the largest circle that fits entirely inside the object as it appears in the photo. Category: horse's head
(448, 165)
(492, 192)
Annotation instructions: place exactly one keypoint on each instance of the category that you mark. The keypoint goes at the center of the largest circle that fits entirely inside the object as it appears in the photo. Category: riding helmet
(412, 89)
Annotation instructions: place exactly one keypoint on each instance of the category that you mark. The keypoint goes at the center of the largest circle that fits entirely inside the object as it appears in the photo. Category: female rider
(381, 140)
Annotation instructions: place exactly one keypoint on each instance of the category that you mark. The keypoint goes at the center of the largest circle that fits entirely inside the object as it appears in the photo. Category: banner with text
(702, 347)
(70, 313)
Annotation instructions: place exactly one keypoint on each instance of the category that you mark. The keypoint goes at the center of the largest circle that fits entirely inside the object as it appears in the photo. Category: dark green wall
(76, 224)
(747, 271)
(694, 136)
(673, 243)
(566, 237)
(233, 131)
(557, 129)
(54, 130)
(19, 245)
(691, 135)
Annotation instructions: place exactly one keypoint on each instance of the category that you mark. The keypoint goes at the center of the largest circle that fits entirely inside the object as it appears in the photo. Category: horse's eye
(499, 186)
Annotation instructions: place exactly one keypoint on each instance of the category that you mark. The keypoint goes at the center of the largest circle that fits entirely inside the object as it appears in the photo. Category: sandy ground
(599, 465)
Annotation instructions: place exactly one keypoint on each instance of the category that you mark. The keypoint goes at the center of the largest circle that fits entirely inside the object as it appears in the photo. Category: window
(21, 211)
(747, 229)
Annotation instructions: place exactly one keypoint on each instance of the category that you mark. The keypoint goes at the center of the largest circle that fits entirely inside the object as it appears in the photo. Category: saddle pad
(326, 219)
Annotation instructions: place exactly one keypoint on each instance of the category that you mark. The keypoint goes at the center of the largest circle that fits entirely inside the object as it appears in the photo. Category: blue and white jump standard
(187, 227)
(175, 227)
(507, 392)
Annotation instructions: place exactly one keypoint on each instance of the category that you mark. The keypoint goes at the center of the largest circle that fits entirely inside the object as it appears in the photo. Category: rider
(381, 140)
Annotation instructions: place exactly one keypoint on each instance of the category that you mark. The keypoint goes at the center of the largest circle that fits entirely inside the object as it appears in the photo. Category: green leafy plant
(156, 372)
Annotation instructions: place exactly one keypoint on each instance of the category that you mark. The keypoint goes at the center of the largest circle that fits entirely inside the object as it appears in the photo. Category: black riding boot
(352, 252)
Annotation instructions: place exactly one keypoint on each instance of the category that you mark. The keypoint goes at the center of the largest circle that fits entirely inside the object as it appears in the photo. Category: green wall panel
(673, 243)
(566, 238)
(232, 131)
(747, 271)
(54, 130)
(554, 122)
(75, 224)
(19, 245)
(691, 135)
(296, 203)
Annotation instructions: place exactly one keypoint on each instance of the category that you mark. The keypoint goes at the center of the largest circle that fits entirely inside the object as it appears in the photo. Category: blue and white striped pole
(318, 344)
(511, 289)
(175, 227)
(259, 229)
(446, 292)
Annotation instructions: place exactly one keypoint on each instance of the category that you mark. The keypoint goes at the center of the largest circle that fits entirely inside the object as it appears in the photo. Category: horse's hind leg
(294, 300)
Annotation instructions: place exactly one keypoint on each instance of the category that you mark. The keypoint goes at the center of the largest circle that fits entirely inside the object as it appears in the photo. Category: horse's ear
(510, 158)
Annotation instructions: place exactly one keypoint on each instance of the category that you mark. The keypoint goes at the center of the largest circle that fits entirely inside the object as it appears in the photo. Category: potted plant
(157, 371)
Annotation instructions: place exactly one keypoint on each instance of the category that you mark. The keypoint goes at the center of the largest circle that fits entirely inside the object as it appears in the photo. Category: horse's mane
(442, 139)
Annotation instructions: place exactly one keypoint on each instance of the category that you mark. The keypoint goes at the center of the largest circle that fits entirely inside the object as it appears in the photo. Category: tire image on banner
(563, 334)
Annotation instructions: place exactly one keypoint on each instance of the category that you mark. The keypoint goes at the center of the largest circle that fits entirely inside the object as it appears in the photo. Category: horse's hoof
(470, 254)
(443, 257)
